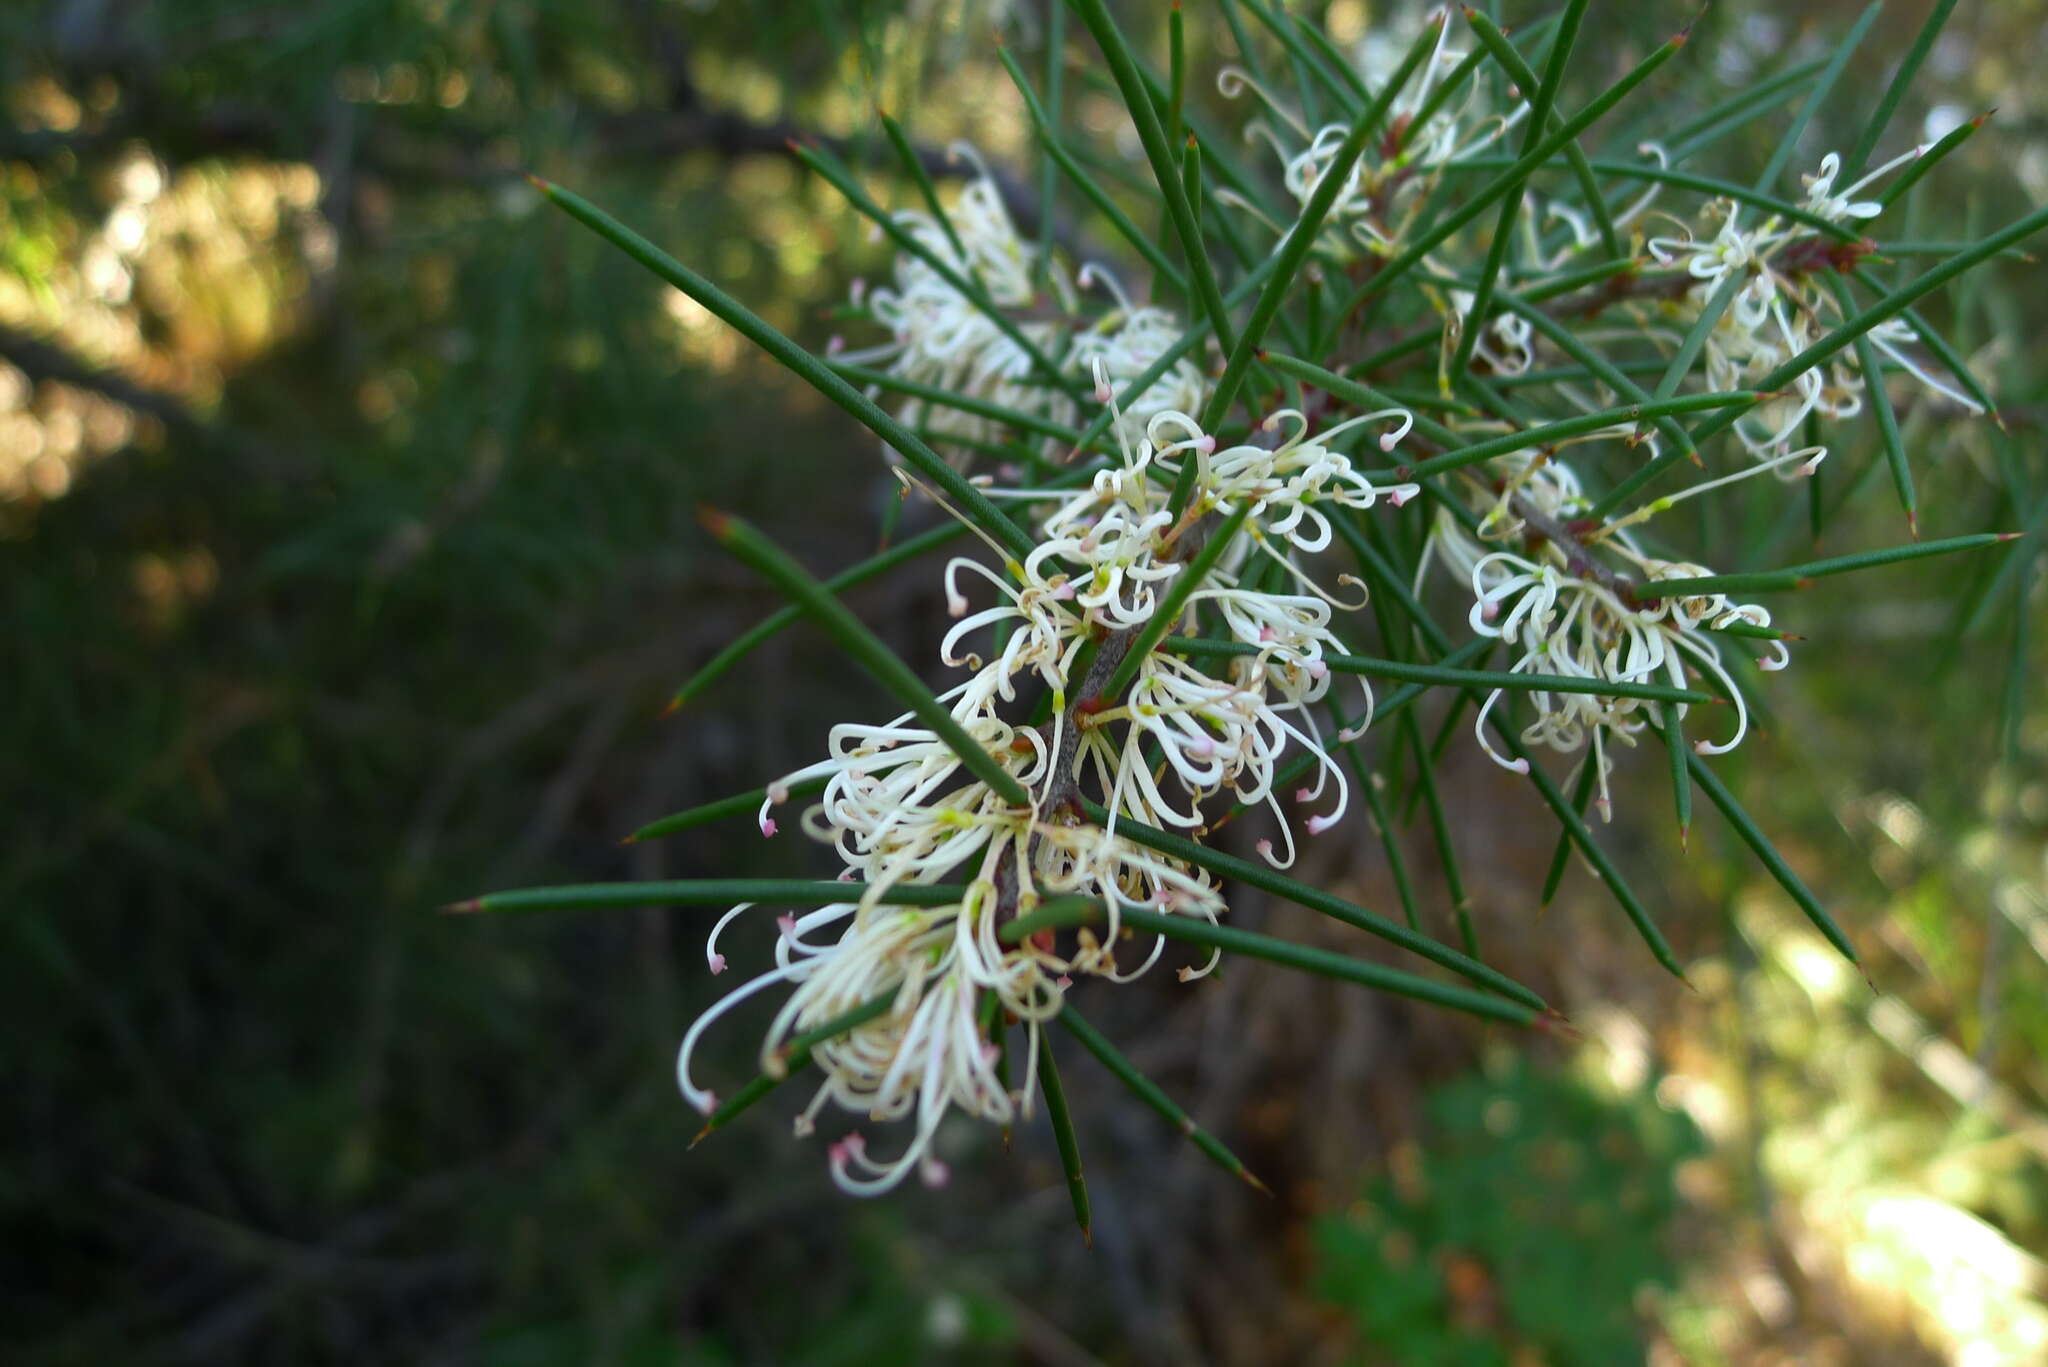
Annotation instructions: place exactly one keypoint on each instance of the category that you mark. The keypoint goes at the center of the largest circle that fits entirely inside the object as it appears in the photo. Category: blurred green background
(348, 554)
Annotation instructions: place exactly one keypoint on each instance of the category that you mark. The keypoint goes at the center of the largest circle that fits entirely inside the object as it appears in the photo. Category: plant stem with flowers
(1153, 642)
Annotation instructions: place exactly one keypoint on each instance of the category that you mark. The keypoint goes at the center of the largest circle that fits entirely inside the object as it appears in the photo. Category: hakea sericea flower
(1784, 308)
(942, 338)
(1380, 184)
(1577, 598)
(1123, 345)
(899, 807)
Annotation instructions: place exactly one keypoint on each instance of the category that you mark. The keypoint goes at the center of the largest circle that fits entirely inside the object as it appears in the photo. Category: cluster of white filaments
(942, 338)
(1431, 126)
(904, 1005)
(901, 810)
(1584, 605)
(1782, 306)
(1576, 595)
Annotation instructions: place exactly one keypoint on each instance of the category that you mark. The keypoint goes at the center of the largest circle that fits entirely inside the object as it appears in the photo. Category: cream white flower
(1783, 309)
(1125, 344)
(943, 339)
(899, 808)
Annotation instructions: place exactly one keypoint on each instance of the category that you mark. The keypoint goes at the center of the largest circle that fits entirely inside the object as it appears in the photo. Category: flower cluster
(1431, 123)
(1577, 597)
(901, 810)
(1782, 307)
(943, 339)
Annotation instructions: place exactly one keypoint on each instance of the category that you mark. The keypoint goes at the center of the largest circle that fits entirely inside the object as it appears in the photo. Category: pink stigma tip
(786, 923)
(1303, 795)
(767, 825)
(717, 962)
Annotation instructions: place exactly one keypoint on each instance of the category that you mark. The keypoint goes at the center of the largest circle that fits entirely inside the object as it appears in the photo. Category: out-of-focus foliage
(346, 556)
(1533, 1214)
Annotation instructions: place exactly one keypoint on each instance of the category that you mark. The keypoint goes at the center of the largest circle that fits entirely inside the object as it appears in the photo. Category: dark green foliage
(1536, 1216)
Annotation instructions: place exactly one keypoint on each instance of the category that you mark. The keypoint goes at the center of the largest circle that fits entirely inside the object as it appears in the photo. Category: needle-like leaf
(1767, 581)
(972, 503)
(1838, 61)
(1315, 899)
(1511, 203)
(1148, 1091)
(1305, 958)
(1902, 80)
(1460, 678)
(794, 1056)
(739, 804)
(1063, 1135)
(1767, 854)
(1048, 138)
(1294, 248)
(865, 647)
(1165, 170)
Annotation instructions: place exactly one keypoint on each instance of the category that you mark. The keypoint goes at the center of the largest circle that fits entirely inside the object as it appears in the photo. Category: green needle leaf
(1498, 47)
(1301, 237)
(794, 1057)
(1881, 409)
(739, 804)
(1148, 1092)
(1696, 336)
(1837, 62)
(873, 567)
(1461, 678)
(1575, 826)
(1063, 1134)
(1795, 578)
(1131, 82)
(1175, 600)
(926, 190)
(867, 649)
(1390, 838)
(1681, 784)
(1902, 80)
(1304, 958)
(1896, 188)
(1315, 899)
(1048, 138)
(970, 500)
(1767, 855)
(1511, 203)
(962, 403)
(1561, 856)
